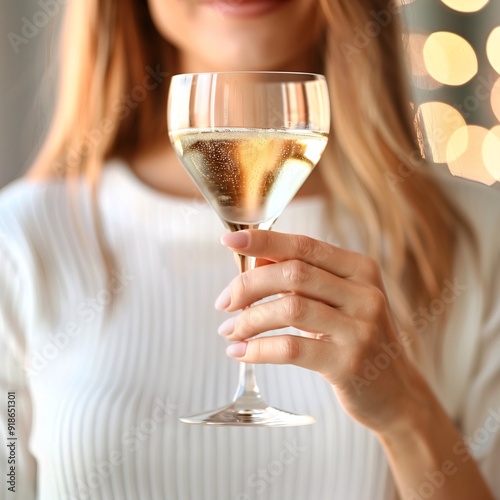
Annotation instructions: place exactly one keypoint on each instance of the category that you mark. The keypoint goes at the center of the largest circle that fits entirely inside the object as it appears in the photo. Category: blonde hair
(410, 227)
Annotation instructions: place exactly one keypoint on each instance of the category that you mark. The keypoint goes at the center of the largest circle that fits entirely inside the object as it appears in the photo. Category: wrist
(421, 448)
(418, 418)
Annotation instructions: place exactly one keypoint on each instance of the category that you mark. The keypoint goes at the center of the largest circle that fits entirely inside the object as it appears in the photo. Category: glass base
(260, 415)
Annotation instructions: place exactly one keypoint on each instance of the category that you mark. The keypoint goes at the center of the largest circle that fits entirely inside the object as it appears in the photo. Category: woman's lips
(245, 8)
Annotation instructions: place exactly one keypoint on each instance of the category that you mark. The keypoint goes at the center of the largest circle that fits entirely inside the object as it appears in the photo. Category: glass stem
(247, 385)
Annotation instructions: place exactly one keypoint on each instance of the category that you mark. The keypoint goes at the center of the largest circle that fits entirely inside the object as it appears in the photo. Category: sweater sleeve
(17, 462)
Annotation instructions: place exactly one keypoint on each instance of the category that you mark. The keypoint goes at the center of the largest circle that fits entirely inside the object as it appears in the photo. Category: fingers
(290, 310)
(336, 295)
(284, 277)
(279, 247)
(289, 349)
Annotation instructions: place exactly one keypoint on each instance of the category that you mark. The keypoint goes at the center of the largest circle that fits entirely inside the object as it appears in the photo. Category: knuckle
(248, 322)
(258, 350)
(241, 327)
(311, 250)
(265, 239)
(375, 304)
(305, 247)
(295, 308)
(289, 349)
(362, 346)
(296, 273)
(242, 285)
(370, 269)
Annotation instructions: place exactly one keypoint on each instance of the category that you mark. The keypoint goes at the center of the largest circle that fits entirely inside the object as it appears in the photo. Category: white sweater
(97, 402)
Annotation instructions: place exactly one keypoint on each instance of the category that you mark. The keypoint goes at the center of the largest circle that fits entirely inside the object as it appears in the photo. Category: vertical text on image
(11, 441)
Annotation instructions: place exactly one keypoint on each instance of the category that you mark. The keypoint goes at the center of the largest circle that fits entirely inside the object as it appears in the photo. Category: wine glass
(249, 140)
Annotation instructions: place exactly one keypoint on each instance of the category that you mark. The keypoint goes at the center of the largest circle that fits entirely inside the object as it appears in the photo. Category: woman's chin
(244, 62)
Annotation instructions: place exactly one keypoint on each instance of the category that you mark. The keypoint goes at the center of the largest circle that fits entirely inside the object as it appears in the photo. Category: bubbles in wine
(249, 175)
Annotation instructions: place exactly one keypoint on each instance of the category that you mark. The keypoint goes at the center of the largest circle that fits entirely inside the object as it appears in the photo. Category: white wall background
(27, 79)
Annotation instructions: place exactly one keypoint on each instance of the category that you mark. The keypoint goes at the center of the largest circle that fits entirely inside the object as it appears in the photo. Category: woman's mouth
(245, 8)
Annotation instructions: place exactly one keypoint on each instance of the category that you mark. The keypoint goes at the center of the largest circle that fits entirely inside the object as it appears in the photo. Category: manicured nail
(239, 239)
(237, 350)
(223, 300)
(227, 327)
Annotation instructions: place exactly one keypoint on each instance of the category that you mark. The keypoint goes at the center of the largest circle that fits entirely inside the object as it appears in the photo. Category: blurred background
(28, 77)
(453, 58)
(454, 54)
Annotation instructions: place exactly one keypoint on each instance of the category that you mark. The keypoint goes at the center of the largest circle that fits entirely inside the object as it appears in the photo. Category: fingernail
(238, 240)
(227, 327)
(237, 350)
(223, 300)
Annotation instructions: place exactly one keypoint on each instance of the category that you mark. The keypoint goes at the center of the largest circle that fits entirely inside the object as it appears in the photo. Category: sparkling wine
(249, 175)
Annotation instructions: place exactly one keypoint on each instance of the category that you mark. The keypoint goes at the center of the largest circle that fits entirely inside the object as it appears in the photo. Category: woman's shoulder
(29, 211)
(469, 296)
(23, 193)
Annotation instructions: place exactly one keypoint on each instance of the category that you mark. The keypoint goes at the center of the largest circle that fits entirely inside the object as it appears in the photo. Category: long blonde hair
(103, 112)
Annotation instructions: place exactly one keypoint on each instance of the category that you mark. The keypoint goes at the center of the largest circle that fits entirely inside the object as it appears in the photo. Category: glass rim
(276, 73)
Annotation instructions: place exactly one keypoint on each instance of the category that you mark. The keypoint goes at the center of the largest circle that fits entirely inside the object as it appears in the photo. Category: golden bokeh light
(465, 5)
(491, 152)
(449, 58)
(414, 44)
(495, 99)
(468, 142)
(493, 49)
(439, 122)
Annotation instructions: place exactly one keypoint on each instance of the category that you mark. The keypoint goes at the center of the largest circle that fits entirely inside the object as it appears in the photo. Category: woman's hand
(337, 298)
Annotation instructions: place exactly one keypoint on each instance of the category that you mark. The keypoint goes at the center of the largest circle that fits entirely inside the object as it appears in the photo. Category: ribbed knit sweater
(98, 394)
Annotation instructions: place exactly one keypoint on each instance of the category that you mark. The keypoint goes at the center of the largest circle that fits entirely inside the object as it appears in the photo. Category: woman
(110, 260)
